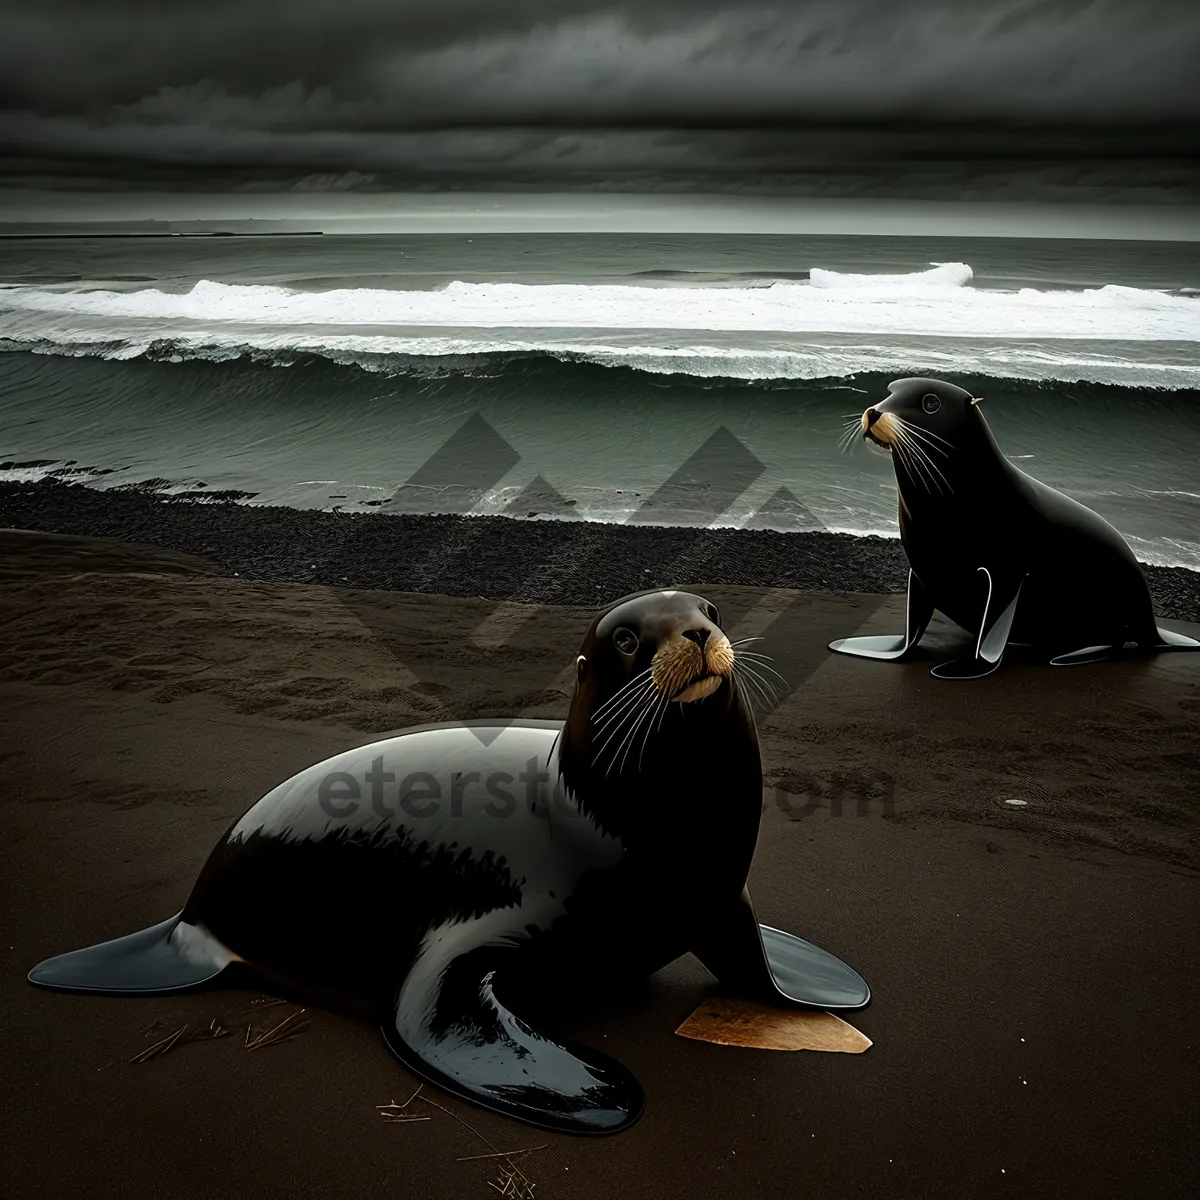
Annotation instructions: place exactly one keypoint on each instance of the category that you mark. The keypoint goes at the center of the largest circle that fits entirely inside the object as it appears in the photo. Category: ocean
(673, 378)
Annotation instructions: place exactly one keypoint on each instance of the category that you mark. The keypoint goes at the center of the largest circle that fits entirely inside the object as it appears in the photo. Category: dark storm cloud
(378, 84)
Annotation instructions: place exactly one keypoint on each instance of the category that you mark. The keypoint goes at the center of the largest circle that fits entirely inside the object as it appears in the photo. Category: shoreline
(498, 558)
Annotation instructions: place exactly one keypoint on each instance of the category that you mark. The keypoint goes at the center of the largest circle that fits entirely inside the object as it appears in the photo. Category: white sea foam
(936, 302)
(939, 275)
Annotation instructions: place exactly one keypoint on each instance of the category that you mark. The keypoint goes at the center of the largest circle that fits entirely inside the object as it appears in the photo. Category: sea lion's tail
(168, 957)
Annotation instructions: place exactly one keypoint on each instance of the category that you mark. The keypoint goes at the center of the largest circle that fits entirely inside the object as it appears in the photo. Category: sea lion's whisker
(915, 462)
(744, 641)
(618, 702)
(766, 684)
(923, 455)
(651, 727)
(910, 469)
(641, 675)
(747, 671)
(911, 464)
(630, 716)
(928, 433)
(631, 736)
(764, 664)
(757, 656)
(757, 696)
(924, 435)
(745, 682)
(847, 439)
(940, 474)
(923, 449)
(662, 714)
(617, 714)
(755, 653)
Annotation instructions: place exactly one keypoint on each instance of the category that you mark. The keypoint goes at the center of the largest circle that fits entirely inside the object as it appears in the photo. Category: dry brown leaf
(730, 1022)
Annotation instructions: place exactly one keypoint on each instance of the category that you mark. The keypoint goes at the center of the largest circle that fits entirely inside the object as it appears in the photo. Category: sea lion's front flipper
(917, 615)
(449, 1027)
(766, 964)
(167, 957)
(998, 613)
(1176, 641)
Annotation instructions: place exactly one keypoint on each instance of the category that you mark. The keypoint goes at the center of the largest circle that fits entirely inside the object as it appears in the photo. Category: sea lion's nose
(699, 636)
(871, 416)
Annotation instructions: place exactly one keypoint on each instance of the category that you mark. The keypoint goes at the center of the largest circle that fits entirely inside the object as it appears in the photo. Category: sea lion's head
(917, 406)
(924, 424)
(670, 641)
(655, 672)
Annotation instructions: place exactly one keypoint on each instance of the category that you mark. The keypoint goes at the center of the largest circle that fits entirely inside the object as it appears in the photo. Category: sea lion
(1012, 561)
(434, 876)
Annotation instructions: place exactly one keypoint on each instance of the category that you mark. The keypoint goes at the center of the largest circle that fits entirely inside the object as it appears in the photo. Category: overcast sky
(351, 87)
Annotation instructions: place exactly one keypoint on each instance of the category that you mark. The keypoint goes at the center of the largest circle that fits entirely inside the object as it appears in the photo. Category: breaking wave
(827, 325)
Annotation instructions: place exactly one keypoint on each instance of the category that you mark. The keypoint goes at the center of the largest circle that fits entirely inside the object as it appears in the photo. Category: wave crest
(434, 357)
(939, 275)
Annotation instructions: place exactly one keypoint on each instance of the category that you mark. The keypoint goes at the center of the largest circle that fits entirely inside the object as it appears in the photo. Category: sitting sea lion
(1009, 559)
(431, 877)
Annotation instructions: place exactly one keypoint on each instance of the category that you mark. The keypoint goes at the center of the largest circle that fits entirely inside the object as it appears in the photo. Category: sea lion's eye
(930, 403)
(626, 641)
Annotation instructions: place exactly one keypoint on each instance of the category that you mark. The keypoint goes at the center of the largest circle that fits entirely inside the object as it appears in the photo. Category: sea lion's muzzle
(878, 427)
(692, 664)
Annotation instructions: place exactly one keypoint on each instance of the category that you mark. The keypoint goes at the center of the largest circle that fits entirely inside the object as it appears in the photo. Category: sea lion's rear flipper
(1079, 658)
(1176, 641)
(999, 612)
(168, 957)
(449, 1027)
(766, 964)
(918, 613)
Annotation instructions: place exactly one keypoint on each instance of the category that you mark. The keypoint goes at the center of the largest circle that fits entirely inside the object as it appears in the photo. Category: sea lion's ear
(581, 665)
(976, 399)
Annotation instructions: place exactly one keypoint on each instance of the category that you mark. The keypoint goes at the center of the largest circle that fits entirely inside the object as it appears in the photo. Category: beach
(1033, 965)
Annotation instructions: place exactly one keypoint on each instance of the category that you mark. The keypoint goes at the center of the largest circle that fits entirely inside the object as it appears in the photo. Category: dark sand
(1034, 968)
